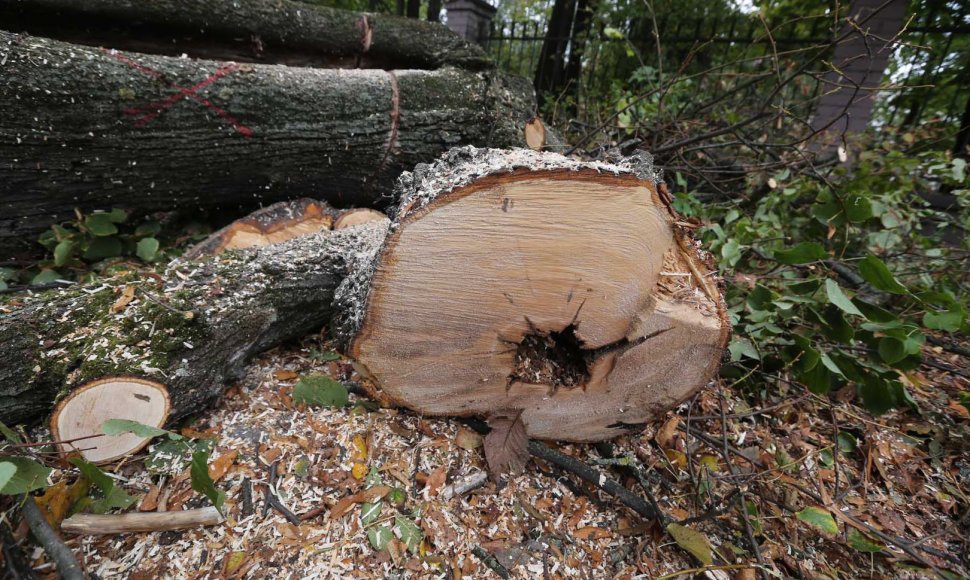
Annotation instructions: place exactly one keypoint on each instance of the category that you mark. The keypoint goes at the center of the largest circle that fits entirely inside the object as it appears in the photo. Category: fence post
(845, 107)
(471, 19)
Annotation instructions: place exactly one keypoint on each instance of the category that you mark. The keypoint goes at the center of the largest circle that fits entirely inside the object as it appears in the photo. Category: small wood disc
(83, 412)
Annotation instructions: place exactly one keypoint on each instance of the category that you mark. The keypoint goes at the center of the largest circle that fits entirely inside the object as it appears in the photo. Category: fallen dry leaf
(468, 439)
(57, 500)
(127, 295)
(667, 432)
(506, 445)
(150, 502)
(220, 466)
(592, 533)
(435, 481)
(368, 495)
(285, 375)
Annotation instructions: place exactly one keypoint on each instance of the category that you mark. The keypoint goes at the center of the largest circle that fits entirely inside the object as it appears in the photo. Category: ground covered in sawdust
(797, 486)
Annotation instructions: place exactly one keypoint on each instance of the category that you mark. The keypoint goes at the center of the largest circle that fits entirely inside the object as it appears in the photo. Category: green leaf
(29, 476)
(818, 380)
(891, 350)
(838, 298)
(324, 356)
(7, 471)
(379, 537)
(862, 543)
(742, 347)
(803, 253)
(369, 512)
(948, 320)
(873, 312)
(819, 518)
(877, 395)
(692, 541)
(114, 496)
(147, 249)
(9, 434)
(202, 483)
(46, 276)
(119, 426)
(117, 216)
(847, 442)
(408, 532)
(320, 390)
(100, 224)
(857, 208)
(828, 363)
(875, 272)
(731, 252)
(103, 248)
(62, 252)
(148, 229)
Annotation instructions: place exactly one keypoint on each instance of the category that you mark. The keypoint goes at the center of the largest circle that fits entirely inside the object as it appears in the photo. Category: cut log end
(535, 134)
(355, 217)
(78, 419)
(569, 294)
(273, 224)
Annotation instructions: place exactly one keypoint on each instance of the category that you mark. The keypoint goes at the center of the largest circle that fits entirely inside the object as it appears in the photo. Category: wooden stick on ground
(91, 524)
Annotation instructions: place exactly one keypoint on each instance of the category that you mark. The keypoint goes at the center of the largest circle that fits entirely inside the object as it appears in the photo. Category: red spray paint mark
(148, 112)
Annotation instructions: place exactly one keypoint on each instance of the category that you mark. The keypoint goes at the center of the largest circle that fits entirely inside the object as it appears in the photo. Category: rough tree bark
(510, 280)
(96, 129)
(278, 32)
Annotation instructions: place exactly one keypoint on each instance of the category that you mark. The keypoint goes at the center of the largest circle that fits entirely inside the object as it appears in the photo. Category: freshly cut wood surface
(355, 217)
(81, 414)
(273, 224)
(540, 284)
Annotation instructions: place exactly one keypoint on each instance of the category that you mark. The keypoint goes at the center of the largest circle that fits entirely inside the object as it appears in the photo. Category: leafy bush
(94, 238)
(834, 281)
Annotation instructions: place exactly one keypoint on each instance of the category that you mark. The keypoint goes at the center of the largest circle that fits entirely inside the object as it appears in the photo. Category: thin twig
(63, 557)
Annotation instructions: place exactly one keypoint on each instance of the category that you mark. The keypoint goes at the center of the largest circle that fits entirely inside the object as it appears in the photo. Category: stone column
(471, 19)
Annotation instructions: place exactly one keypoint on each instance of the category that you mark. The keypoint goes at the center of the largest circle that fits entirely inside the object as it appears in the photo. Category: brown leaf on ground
(127, 295)
(220, 466)
(468, 439)
(506, 445)
(368, 495)
(285, 375)
(58, 499)
(592, 533)
(435, 481)
(150, 502)
(667, 432)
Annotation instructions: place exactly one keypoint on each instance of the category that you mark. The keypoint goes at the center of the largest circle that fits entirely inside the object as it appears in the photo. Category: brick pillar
(862, 61)
(471, 19)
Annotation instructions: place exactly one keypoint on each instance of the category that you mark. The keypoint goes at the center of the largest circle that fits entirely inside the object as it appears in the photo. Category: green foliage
(320, 390)
(819, 519)
(408, 532)
(91, 239)
(27, 476)
(202, 482)
(833, 283)
(112, 496)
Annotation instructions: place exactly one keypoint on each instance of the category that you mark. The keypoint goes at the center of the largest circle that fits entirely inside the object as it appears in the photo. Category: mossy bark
(194, 332)
(95, 129)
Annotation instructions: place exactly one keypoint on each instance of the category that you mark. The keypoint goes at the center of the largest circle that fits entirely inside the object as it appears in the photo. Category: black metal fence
(927, 79)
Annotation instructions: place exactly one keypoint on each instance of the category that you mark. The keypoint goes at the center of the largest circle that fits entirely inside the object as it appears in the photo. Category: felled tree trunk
(279, 32)
(505, 281)
(99, 129)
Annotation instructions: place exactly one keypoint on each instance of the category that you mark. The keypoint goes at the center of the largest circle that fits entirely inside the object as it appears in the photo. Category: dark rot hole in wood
(551, 358)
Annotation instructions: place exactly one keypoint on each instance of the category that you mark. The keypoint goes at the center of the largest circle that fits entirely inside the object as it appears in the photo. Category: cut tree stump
(507, 281)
